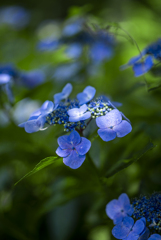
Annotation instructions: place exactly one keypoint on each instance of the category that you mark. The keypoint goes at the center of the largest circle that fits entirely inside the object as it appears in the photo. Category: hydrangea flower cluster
(75, 35)
(75, 115)
(144, 62)
(123, 213)
(10, 75)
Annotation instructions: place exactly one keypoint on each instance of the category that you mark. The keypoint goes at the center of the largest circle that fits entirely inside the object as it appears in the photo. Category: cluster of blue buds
(9, 76)
(144, 62)
(123, 213)
(75, 115)
(75, 35)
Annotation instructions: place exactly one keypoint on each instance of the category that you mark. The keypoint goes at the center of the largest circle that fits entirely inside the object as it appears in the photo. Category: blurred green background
(57, 202)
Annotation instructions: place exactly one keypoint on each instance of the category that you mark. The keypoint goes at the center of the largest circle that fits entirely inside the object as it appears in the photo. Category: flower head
(111, 126)
(127, 230)
(87, 95)
(118, 209)
(64, 94)
(73, 149)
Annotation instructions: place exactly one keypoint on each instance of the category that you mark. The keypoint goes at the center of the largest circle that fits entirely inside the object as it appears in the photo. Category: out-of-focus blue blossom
(4, 78)
(140, 68)
(67, 72)
(87, 95)
(15, 16)
(79, 114)
(127, 230)
(64, 94)
(74, 50)
(111, 126)
(155, 237)
(48, 44)
(73, 27)
(143, 64)
(102, 47)
(37, 119)
(73, 149)
(32, 78)
(118, 209)
(10, 70)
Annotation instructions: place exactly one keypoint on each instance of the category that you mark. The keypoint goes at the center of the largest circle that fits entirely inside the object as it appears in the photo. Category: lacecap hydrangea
(146, 211)
(75, 115)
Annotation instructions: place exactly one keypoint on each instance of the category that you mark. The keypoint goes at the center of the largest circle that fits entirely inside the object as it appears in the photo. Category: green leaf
(124, 163)
(42, 164)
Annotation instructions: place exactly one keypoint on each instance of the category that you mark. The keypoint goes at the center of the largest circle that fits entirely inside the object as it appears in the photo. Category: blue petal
(74, 138)
(87, 95)
(4, 78)
(63, 153)
(100, 51)
(74, 160)
(106, 134)
(122, 129)
(48, 44)
(67, 90)
(112, 208)
(122, 229)
(111, 119)
(155, 237)
(74, 112)
(33, 126)
(83, 147)
(144, 235)
(138, 227)
(58, 97)
(80, 117)
(64, 142)
(47, 107)
(142, 67)
(124, 199)
(132, 236)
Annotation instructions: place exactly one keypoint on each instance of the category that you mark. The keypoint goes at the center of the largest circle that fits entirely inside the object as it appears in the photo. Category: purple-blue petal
(155, 237)
(122, 229)
(63, 152)
(58, 97)
(144, 235)
(111, 119)
(74, 138)
(47, 107)
(138, 227)
(87, 95)
(106, 134)
(74, 160)
(67, 90)
(32, 126)
(132, 236)
(112, 208)
(83, 147)
(80, 118)
(142, 67)
(124, 199)
(122, 129)
(64, 143)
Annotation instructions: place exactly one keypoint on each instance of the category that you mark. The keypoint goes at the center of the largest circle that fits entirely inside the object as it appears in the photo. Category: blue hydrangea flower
(73, 149)
(67, 71)
(73, 27)
(102, 47)
(37, 120)
(127, 230)
(15, 16)
(111, 126)
(64, 94)
(155, 237)
(79, 114)
(4, 78)
(48, 44)
(140, 68)
(118, 209)
(32, 78)
(74, 50)
(87, 95)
